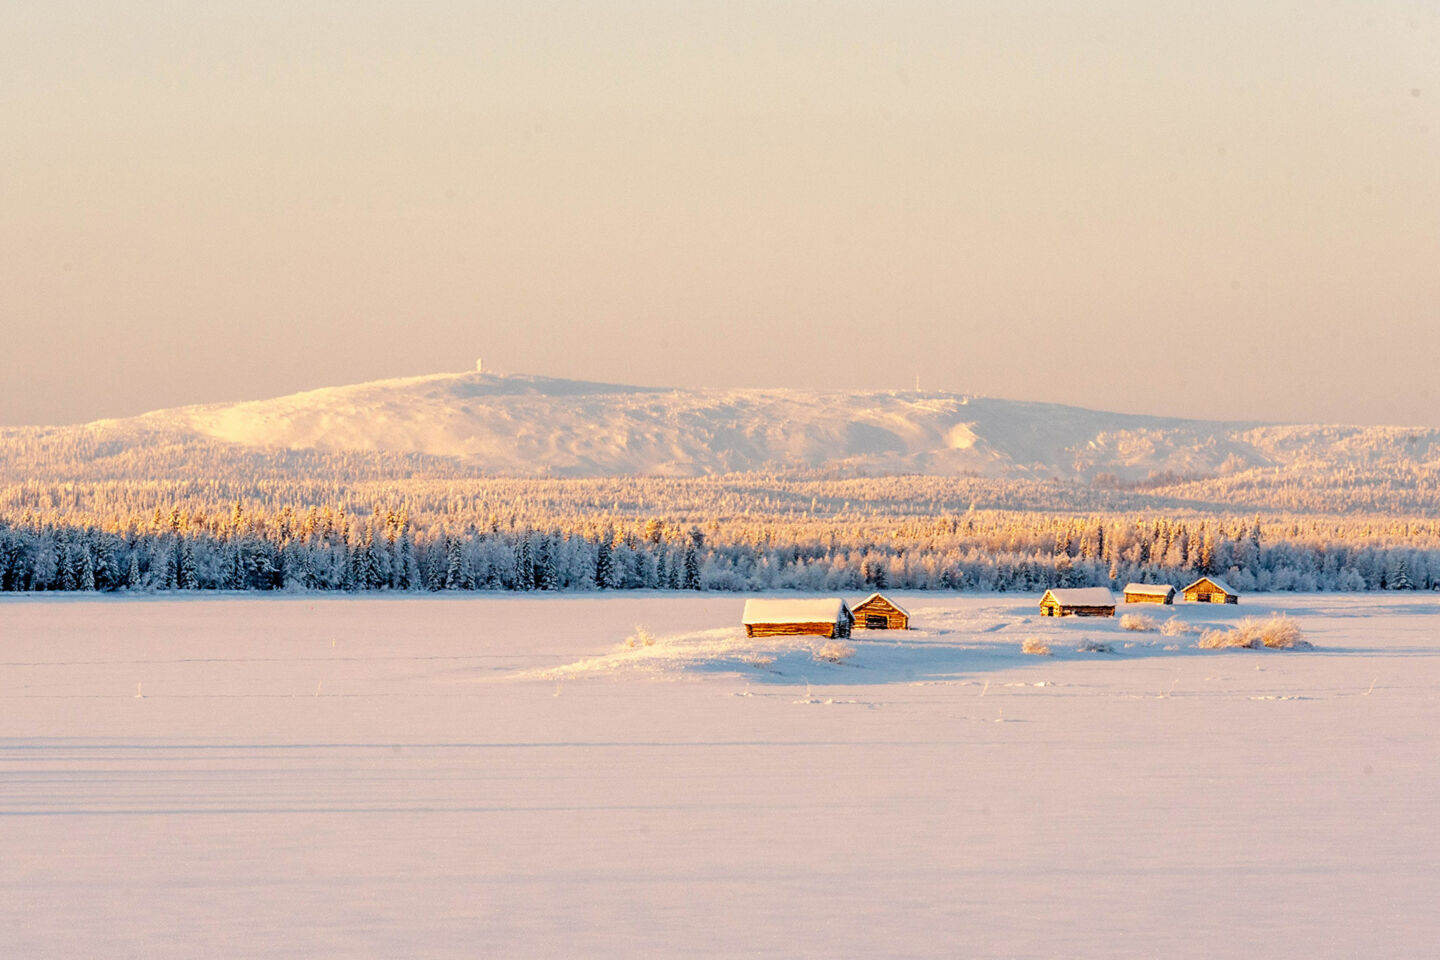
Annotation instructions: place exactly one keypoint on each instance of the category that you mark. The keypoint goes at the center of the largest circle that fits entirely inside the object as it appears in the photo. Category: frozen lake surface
(504, 776)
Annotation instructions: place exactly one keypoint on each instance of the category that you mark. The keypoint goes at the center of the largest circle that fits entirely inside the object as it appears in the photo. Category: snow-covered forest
(515, 546)
(169, 512)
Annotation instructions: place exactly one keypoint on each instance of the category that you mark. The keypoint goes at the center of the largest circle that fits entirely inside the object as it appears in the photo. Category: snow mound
(723, 651)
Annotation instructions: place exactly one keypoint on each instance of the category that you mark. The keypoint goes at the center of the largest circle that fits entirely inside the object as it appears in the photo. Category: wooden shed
(1078, 602)
(880, 613)
(1149, 593)
(1210, 590)
(773, 618)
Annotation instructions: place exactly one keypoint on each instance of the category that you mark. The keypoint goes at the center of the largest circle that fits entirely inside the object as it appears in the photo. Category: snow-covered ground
(521, 776)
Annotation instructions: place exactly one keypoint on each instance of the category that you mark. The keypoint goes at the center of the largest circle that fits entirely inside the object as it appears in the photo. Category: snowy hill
(523, 425)
(528, 426)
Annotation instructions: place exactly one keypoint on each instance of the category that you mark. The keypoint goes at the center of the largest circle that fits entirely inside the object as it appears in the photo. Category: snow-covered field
(509, 777)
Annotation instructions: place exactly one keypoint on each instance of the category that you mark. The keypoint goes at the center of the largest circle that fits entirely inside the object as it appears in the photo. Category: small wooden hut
(880, 613)
(1078, 602)
(779, 617)
(1149, 593)
(1210, 590)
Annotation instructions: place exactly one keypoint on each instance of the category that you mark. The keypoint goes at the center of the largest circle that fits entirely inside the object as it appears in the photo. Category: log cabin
(1149, 593)
(779, 617)
(1078, 602)
(880, 613)
(1210, 590)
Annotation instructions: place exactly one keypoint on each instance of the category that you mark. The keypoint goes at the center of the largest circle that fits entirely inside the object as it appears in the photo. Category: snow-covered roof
(827, 610)
(1150, 589)
(877, 596)
(1082, 597)
(1219, 584)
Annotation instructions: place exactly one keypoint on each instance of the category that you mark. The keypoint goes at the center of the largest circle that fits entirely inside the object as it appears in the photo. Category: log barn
(1078, 602)
(880, 613)
(1149, 593)
(1210, 590)
(774, 618)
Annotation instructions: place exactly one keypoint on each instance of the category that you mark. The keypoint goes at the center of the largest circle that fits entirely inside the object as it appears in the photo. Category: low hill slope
(526, 426)
(522, 425)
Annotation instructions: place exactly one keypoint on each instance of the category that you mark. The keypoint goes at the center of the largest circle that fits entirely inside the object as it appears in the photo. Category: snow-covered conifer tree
(604, 563)
(185, 576)
(453, 564)
(86, 578)
(107, 566)
(548, 577)
(407, 571)
(525, 563)
(692, 566)
(1401, 579)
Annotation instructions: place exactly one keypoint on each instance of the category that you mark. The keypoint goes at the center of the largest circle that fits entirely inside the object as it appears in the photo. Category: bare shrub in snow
(1175, 627)
(1093, 646)
(1220, 639)
(834, 651)
(642, 637)
(1035, 646)
(759, 661)
(1278, 632)
(1137, 621)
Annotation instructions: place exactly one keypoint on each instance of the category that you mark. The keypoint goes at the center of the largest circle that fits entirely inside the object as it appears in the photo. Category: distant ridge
(518, 425)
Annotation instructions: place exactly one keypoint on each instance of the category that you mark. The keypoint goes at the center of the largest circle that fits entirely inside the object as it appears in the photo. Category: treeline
(324, 548)
(90, 473)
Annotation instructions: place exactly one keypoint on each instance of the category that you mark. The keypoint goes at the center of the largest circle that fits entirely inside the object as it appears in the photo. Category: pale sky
(1219, 210)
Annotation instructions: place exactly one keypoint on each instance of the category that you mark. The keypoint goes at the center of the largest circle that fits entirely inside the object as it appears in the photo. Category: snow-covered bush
(1282, 633)
(1220, 639)
(1175, 627)
(1278, 632)
(1093, 646)
(1035, 646)
(833, 651)
(1137, 621)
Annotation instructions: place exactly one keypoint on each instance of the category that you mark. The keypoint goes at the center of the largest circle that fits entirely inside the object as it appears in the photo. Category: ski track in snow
(507, 776)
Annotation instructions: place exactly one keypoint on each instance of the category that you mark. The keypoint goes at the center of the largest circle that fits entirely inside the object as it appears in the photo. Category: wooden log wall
(1210, 596)
(894, 618)
(1049, 608)
(797, 629)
